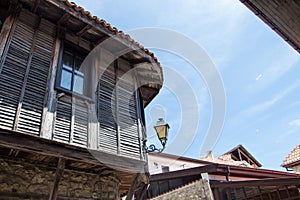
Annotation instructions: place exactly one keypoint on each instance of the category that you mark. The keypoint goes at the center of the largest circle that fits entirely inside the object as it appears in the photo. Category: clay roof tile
(107, 26)
(292, 158)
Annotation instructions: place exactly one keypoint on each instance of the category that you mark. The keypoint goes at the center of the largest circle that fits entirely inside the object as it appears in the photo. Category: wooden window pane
(66, 79)
(78, 84)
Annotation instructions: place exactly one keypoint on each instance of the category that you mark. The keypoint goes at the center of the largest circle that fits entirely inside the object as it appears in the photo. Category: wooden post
(93, 129)
(7, 25)
(49, 109)
(133, 187)
(117, 112)
(8, 28)
(138, 108)
(73, 104)
(142, 193)
(59, 172)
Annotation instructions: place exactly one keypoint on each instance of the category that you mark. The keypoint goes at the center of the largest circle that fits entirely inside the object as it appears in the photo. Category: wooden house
(71, 125)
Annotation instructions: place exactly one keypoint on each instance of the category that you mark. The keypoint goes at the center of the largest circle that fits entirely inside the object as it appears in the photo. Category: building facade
(238, 156)
(234, 175)
(223, 181)
(72, 96)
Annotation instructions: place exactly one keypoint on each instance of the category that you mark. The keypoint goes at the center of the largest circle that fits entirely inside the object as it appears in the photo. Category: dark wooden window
(72, 77)
(72, 114)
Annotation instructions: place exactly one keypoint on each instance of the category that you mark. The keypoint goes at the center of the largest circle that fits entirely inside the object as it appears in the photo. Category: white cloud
(261, 107)
(258, 77)
(295, 122)
(275, 69)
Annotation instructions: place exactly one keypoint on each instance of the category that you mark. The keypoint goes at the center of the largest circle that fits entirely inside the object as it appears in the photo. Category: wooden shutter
(36, 84)
(63, 119)
(81, 121)
(71, 121)
(24, 72)
(117, 111)
(127, 114)
(106, 110)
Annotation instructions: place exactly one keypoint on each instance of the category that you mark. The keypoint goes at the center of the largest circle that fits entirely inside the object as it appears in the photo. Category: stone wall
(21, 180)
(197, 190)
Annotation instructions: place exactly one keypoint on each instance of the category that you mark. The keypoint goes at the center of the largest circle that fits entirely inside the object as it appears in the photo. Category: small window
(165, 169)
(73, 77)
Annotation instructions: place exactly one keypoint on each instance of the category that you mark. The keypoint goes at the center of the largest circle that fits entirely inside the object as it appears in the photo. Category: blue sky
(259, 70)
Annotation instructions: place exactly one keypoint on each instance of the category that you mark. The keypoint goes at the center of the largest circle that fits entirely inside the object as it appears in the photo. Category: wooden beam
(184, 173)
(240, 156)
(260, 192)
(102, 39)
(38, 145)
(83, 30)
(288, 192)
(63, 19)
(139, 61)
(59, 172)
(142, 192)
(133, 187)
(82, 18)
(50, 101)
(51, 165)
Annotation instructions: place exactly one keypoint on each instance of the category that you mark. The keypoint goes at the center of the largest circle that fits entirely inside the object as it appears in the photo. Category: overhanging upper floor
(282, 16)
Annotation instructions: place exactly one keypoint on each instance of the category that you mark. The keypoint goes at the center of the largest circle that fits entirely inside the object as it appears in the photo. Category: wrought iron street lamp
(161, 129)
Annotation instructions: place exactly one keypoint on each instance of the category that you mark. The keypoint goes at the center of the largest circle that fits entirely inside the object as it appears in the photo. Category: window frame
(76, 51)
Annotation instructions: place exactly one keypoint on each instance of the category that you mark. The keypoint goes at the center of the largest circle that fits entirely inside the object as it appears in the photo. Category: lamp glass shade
(162, 131)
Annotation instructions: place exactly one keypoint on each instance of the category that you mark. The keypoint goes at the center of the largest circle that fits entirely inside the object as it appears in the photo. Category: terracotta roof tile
(108, 27)
(292, 158)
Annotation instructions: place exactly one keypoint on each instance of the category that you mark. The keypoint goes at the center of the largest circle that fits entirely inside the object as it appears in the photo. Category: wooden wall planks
(27, 67)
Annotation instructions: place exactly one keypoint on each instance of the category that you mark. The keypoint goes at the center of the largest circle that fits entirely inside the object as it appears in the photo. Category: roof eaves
(181, 158)
(270, 23)
(110, 30)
